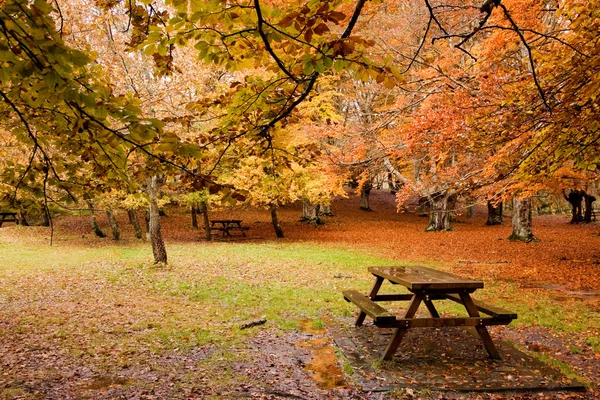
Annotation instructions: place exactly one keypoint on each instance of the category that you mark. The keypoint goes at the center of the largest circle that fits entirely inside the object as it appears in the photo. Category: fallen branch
(253, 323)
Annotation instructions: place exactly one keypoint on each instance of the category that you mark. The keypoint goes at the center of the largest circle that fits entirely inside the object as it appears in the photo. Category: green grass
(594, 342)
(533, 309)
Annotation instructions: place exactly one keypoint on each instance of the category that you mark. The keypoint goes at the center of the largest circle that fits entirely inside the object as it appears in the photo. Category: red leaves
(311, 25)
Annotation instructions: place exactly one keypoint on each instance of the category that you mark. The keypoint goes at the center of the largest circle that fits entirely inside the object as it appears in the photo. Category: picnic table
(426, 285)
(8, 216)
(226, 226)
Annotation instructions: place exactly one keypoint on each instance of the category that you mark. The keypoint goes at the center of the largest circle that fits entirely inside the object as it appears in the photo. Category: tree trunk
(93, 220)
(521, 221)
(589, 204)
(22, 218)
(135, 223)
(45, 216)
(147, 223)
(158, 244)
(470, 210)
(310, 213)
(574, 198)
(422, 209)
(441, 206)
(364, 197)
(494, 213)
(114, 226)
(325, 210)
(194, 211)
(206, 222)
(275, 220)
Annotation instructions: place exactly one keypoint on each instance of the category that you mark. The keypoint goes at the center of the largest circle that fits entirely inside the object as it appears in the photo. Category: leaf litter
(70, 333)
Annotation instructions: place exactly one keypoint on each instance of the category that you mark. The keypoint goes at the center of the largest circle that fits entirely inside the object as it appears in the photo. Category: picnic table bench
(8, 216)
(426, 285)
(226, 226)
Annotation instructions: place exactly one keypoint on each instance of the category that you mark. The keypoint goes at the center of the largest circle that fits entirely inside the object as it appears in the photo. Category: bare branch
(528, 48)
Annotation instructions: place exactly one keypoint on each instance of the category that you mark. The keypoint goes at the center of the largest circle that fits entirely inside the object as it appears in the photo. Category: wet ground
(449, 359)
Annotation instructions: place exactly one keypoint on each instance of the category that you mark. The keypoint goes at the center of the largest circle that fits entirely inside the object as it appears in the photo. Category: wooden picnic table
(426, 285)
(225, 226)
(8, 216)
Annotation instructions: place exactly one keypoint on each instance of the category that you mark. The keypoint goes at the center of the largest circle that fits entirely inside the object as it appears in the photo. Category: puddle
(324, 364)
(309, 326)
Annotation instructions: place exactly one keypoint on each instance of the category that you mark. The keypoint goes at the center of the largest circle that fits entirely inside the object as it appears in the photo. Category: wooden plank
(419, 278)
(392, 297)
(431, 308)
(488, 343)
(495, 312)
(401, 331)
(407, 323)
(8, 216)
(374, 290)
(380, 315)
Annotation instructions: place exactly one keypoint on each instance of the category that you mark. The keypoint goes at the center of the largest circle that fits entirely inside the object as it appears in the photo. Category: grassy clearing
(235, 282)
(109, 308)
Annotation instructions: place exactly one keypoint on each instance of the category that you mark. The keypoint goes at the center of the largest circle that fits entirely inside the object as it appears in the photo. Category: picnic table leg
(392, 346)
(374, 290)
(431, 308)
(488, 343)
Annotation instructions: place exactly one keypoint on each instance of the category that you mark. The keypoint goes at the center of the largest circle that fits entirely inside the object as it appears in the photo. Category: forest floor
(92, 318)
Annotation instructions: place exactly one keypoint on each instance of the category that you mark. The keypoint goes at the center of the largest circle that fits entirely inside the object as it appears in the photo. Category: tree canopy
(488, 99)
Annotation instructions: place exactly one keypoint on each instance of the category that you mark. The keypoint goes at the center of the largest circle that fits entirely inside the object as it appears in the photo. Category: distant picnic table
(426, 285)
(8, 216)
(226, 226)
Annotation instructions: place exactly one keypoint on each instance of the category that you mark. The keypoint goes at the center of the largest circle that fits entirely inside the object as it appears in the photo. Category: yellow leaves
(196, 5)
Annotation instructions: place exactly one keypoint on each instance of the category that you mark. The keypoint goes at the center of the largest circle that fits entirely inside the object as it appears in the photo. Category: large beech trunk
(135, 223)
(158, 244)
(494, 213)
(574, 198)
(114, 225)
(275, 221)
(93, 220)
(521, 221)
(310, 213)
(589, 204)
(364, 197)
(205, 221)
(441, 206)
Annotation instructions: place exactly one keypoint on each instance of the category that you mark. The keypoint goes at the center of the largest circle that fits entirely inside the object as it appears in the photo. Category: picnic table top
(226, 221)
(417, 277)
